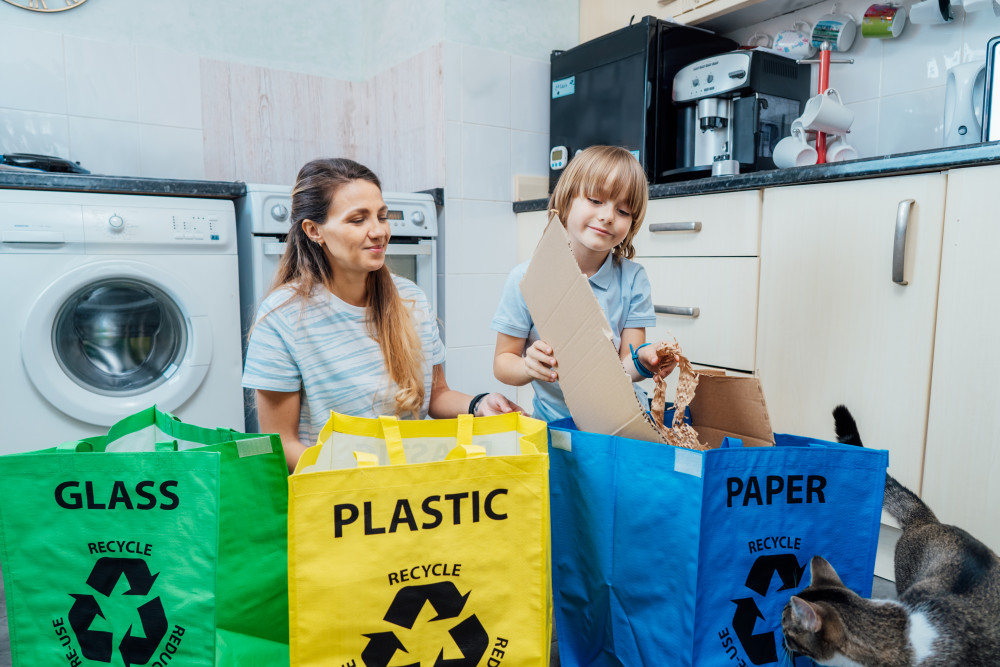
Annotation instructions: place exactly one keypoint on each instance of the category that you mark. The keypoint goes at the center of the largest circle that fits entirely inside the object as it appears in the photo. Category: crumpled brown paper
(678, 434)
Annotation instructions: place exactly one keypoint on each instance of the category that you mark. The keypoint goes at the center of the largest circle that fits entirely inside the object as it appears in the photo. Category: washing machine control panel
(178, 229)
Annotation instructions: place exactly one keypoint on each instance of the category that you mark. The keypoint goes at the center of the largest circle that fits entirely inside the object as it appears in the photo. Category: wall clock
(42, 5)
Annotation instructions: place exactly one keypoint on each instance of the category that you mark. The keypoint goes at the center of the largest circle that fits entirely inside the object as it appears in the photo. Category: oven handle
(408, 249)
(275, 248)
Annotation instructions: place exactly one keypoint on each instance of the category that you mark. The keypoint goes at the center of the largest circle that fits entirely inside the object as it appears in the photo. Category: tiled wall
(497, 117)
(896, 86)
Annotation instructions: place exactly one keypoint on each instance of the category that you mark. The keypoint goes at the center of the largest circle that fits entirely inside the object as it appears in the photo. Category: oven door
(416, 261)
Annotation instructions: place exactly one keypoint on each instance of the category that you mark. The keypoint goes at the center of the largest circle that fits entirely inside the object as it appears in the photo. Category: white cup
(930, 12)
(826, 113)
(794, 150)
(838, 30)
(976, 5)
(795, 43)
(838, 150)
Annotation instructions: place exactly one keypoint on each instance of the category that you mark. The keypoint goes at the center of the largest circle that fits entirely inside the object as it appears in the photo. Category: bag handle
(466, 452)
(366, 459)
(393, 440)
(97, 445)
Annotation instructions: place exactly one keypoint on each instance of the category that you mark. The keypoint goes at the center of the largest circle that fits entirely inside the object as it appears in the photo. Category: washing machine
(112, 303)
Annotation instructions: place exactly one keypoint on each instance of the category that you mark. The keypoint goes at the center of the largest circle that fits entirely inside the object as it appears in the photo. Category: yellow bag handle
(366, 459)
(466, 452)
(393, 440)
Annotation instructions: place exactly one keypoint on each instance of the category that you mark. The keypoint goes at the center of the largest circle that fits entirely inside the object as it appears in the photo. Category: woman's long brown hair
(304, 266)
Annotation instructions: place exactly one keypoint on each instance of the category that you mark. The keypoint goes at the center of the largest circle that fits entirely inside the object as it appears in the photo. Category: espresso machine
(733, 108)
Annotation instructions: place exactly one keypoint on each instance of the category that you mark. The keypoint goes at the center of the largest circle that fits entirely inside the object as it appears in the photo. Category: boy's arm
(647, 356)
(511, 368)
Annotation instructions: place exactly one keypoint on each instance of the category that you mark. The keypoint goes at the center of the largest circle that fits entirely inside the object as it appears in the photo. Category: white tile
(171, 152)
(489, 239)
(32, 70)
(470, 370)
(452, 72)
(486, 163)
(911, 122)
(529, 94)
(919, 58)
(453, 158)
(169, 87)
(452, 237)
(485, 87)
(31, 132)
(864, 132)
(979, 28)
(471, 304)
(100, 79)
(105, 146)
(859, 81)
(529, 153)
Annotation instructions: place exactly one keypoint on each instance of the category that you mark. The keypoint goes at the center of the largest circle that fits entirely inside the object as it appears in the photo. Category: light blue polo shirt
(622, 289)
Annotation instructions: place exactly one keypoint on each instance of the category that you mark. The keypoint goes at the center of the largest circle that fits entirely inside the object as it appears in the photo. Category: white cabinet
(962, 464)
(834, 328)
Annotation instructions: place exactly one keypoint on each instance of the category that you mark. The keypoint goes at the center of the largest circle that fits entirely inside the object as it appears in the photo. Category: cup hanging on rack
(836, 29)
(883, 21)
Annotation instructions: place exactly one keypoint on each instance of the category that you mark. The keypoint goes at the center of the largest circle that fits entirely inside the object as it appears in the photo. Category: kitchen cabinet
(834, 327)
(961, 480)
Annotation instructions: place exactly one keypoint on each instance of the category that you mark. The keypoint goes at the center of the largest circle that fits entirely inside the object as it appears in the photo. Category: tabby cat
(948, 582)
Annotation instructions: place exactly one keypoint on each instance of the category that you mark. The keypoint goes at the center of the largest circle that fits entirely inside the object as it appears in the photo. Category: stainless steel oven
(263, 217)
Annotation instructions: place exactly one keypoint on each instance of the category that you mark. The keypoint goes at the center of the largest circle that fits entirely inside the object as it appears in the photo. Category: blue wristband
(638, 364)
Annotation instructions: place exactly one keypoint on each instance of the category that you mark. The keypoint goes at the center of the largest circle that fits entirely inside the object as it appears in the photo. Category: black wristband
(474, 403)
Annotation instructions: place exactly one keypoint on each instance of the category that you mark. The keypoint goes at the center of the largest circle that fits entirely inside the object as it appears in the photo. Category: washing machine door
(114, 337)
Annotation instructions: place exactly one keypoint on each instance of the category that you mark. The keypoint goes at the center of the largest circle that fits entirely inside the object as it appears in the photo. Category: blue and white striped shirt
(321, 347)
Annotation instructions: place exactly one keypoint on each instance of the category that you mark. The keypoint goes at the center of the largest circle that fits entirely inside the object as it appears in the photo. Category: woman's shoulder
(408, 289)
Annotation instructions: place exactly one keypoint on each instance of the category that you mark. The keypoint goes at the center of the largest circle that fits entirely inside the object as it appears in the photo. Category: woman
(340, 332)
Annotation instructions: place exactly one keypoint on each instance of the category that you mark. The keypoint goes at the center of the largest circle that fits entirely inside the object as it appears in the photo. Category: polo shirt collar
(605, 274)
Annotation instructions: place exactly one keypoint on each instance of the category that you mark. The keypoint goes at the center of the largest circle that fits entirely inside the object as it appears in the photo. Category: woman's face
(356, 232)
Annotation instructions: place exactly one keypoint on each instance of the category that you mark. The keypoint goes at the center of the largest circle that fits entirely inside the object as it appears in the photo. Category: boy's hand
(496, 404)
(647, 355)
(539, 362)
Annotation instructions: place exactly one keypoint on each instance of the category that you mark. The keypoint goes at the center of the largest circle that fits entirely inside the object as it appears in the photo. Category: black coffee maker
(733, 108)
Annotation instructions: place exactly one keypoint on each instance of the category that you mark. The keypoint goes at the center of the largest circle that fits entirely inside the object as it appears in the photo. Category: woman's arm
(447, 403)
(510, 367)
(278, 412)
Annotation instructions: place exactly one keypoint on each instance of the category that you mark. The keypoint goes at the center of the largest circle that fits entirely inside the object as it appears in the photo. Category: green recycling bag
(161, 544)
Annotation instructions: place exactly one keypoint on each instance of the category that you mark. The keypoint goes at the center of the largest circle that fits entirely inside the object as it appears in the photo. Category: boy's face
(598, 223)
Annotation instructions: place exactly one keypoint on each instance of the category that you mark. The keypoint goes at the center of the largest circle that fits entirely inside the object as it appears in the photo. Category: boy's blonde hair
(605, 172)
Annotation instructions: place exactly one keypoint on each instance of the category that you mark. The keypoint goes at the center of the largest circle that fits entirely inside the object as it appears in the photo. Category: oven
(263, 217)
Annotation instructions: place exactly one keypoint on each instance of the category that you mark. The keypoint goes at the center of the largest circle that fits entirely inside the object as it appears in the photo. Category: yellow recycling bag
(421, 543)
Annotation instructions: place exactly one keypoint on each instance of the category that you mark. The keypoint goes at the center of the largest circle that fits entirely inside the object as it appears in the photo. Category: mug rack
(824, 61)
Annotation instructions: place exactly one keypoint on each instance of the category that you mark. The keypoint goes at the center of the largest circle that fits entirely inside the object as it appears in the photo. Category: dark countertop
(28, 180)
(887, 165)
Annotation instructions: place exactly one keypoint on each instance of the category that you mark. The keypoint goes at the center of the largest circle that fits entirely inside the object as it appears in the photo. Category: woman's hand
(647, 355)
(496, 404)
(539, 363)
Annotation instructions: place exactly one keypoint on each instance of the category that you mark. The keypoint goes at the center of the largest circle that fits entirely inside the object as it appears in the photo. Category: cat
(948, 584)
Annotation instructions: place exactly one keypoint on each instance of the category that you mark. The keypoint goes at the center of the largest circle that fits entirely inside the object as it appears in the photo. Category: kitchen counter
(29, 180)
(887, 165)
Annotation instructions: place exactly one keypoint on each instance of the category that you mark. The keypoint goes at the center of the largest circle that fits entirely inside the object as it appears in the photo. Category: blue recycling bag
(670, 556)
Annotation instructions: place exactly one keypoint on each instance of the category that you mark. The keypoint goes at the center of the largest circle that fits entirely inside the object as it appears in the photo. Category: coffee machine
(733, 108)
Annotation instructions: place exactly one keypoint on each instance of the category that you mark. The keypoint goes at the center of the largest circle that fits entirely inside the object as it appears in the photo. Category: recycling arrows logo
(444, 597)
(98, 644)
(762, 648)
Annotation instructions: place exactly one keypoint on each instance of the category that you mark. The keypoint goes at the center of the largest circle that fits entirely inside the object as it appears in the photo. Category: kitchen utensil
(795, 150)
(795, 43)
(884, 21)
(42, 163)
(838, 150)
(838, 30)
(964, 91)
(931, 12)
(826, 113)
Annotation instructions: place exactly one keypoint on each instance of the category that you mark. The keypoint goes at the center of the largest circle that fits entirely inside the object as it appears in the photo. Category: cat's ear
(806, 615)
(823, 573)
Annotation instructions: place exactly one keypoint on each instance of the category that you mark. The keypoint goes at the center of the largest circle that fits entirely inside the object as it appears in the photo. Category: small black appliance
(735, 106)
(616, 90)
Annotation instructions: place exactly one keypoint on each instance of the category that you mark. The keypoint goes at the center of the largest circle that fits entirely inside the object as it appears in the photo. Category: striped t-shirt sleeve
(270, 363)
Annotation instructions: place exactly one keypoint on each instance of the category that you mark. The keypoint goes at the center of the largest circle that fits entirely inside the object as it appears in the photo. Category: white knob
(279, 212)
(417, 218)
(116, 222)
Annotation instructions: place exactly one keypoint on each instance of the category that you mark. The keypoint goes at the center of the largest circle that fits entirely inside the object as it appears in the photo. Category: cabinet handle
(899, 241)
(675, 227)
(677, 310)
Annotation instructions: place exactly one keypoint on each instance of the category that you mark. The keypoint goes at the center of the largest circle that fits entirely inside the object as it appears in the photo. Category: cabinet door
(717, 225)
(962, 464)
(834, 328)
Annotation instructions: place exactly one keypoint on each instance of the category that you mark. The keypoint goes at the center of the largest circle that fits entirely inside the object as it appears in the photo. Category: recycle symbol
(444, 597)
(97, 644)
(762, 648)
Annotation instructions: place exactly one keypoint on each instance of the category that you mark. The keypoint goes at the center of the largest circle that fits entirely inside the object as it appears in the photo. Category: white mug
(930, 12)
(826, 113)
(795, 43)
(838, 150)
(838, 30)
(794, 150)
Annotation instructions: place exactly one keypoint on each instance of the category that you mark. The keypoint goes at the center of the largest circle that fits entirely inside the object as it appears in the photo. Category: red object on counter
(824, 83)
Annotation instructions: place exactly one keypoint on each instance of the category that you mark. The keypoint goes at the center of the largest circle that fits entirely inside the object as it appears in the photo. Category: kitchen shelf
(724, 16)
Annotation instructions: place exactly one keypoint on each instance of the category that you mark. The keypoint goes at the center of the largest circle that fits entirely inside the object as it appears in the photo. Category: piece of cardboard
(597, 389)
